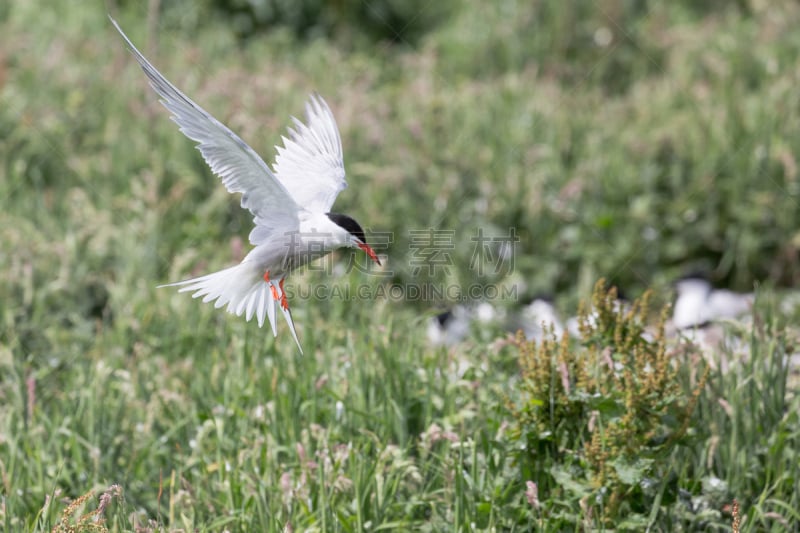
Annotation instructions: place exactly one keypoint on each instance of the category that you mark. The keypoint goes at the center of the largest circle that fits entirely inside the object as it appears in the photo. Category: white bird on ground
(698, 303)
(452, 326)
(290, 203)
(538, 319)
(449, 327)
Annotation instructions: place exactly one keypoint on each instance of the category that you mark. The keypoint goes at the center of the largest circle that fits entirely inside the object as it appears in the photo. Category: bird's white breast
(284, 251)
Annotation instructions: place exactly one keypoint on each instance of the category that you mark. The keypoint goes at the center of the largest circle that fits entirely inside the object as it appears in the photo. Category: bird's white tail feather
(243, 289)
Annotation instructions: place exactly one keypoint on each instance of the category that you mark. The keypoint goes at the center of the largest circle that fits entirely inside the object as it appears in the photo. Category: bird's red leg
(271, 286)
(284, 300)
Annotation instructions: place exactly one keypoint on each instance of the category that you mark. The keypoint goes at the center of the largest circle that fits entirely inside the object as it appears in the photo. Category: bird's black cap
(348, 224)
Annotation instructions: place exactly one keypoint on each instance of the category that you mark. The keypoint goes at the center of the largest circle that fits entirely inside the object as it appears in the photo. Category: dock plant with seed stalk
(599, 416)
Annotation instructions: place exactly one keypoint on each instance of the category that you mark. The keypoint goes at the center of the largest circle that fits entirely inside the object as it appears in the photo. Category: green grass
(634, 143)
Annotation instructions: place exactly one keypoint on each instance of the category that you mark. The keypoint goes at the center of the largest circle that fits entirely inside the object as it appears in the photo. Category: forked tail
(245, 291)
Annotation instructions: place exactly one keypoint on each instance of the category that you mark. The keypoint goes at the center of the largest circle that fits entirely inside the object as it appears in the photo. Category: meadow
(631, 141)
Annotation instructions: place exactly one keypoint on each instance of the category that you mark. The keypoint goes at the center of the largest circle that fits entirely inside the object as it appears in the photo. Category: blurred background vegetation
(633, 140)
(636, 140)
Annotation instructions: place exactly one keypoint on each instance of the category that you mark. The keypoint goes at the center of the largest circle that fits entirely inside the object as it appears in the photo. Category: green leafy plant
(598, 419)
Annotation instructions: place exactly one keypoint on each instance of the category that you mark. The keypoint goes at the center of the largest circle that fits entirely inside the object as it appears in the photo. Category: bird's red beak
(370, 252)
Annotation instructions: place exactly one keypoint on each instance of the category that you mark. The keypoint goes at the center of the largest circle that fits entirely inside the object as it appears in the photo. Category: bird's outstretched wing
(239, 167)
(310, 163)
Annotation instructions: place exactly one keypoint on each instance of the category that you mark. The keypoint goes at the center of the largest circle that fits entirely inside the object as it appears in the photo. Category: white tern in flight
(290, 203)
